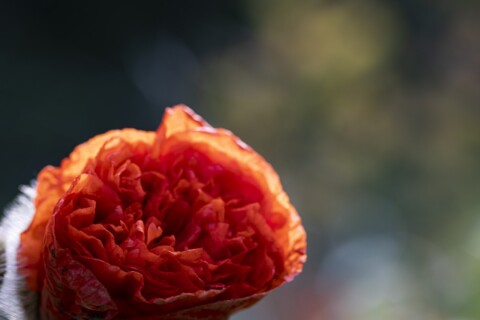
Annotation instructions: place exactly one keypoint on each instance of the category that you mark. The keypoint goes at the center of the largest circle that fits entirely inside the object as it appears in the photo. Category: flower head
(186, 222)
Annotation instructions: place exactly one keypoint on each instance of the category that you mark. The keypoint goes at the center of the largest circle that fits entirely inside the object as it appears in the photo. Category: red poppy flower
(184, 223)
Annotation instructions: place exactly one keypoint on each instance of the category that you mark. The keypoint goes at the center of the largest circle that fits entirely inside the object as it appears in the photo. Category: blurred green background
(369, 111)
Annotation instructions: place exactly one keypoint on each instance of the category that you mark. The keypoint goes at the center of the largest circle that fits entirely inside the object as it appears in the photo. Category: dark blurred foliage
(369, 110)
(68, 70)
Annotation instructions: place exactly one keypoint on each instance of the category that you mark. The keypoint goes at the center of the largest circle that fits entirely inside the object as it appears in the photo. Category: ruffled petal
(52, 183)
(232, 153)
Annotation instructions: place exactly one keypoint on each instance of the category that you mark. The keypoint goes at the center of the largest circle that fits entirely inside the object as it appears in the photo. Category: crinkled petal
(52, 183)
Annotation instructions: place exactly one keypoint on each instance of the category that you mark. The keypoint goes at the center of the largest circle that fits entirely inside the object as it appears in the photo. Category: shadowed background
(369, 111)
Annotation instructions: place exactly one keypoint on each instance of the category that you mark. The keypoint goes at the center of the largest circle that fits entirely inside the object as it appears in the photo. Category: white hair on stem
(16, 301)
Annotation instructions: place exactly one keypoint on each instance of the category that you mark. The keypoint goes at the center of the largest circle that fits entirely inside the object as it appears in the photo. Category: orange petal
(52, 183)
(228, 150)
(178, 119)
